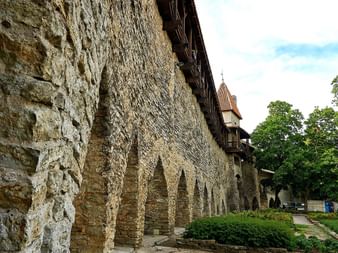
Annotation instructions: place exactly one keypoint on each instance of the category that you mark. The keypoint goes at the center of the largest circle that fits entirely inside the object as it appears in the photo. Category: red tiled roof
(226, 101)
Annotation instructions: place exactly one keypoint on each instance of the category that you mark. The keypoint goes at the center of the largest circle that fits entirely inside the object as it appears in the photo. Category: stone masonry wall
(82, 83)
(250, 185)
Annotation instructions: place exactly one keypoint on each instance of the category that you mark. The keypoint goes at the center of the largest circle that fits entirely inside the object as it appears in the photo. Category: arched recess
(223, 207)
(89, 230)
(246, 203)
(217, 210)
(213, 211)
(231, 201)
(126, 221)
(277, 202)
(255, 205)
(156, 209)
(264, 186)
(206, 208)
(271, 203)
(197, 205)
(240, 191)
(182, 203)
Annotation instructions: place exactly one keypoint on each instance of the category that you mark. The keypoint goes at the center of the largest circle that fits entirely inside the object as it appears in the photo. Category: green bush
(236, 230)
(331, 245)
(267, 214)
(331, 223)
(313, 244)
(321, 215)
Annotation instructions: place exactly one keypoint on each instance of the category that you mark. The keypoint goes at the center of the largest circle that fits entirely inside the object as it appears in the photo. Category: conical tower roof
(227, 101)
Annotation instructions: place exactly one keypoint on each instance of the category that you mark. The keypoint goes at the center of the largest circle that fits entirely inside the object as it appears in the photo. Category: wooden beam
(187, 66)
(180, 47)
(195, 80)
(196, 91)
(171, 25)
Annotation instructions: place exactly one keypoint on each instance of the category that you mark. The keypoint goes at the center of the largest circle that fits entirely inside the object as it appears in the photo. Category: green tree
(277, 140)
(321, 139)
(335, 91)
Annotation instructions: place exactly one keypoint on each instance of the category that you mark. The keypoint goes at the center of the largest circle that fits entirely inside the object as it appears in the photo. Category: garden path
(310, 229)
(151, 245)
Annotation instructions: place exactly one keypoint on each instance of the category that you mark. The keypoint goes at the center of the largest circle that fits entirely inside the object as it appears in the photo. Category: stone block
(16, 194)
(12, 233)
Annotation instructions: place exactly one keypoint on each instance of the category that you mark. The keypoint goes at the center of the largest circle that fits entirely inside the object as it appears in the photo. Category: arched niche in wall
(126, 221)
(255, 205)
(277, 202)
(156, 208)
(240, 190)
(213, 208)
(223, 207)
(271, 203)
(197, 205)
(206, 208)
(246, 203)
(182, 217)
(90, 203)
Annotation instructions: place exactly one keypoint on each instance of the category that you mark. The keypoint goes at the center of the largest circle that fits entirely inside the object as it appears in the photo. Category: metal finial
(222, 74)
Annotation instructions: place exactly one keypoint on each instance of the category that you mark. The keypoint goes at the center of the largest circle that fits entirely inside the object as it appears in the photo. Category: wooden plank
(191, 79)
(171, 25)
(180, 47)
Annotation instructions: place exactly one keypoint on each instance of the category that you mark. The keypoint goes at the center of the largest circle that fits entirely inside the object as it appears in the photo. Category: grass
(321, 215)
(331, 223)
(300, 228)
(267, 214)
(328, 219)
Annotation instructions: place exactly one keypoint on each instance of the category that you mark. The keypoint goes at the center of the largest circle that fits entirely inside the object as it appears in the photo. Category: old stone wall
(251, 194)
(98, 129)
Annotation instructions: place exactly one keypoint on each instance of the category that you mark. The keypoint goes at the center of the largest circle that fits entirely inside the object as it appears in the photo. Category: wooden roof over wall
(181, 23)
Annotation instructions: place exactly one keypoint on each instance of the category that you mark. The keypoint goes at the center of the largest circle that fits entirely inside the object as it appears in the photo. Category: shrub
(321, 215)
(300, 228)
(236, 230)
(331, 245)
(267, 214)
(330, 223)
(313, 244)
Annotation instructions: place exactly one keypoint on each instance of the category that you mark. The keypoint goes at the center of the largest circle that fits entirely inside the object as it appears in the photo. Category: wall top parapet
(181, 23)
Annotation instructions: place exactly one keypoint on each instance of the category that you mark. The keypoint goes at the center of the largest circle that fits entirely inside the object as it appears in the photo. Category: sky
(272, 50)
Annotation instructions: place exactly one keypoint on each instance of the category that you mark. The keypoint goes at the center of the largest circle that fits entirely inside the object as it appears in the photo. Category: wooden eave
(181, 23)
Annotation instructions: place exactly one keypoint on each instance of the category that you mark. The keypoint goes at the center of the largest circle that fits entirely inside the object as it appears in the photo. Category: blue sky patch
(308, 50)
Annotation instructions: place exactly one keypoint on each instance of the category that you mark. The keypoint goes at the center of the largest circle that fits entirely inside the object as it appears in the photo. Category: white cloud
(241, 38)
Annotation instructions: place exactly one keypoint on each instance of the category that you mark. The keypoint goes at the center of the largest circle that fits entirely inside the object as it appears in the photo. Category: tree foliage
(275, 140)
(321, 135)
(302, 154)
(335, 91)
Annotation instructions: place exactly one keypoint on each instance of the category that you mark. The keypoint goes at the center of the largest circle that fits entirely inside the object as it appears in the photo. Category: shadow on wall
(206, 208)
(182, 203)
(156, 208)
(197, 206)
(126, 221)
